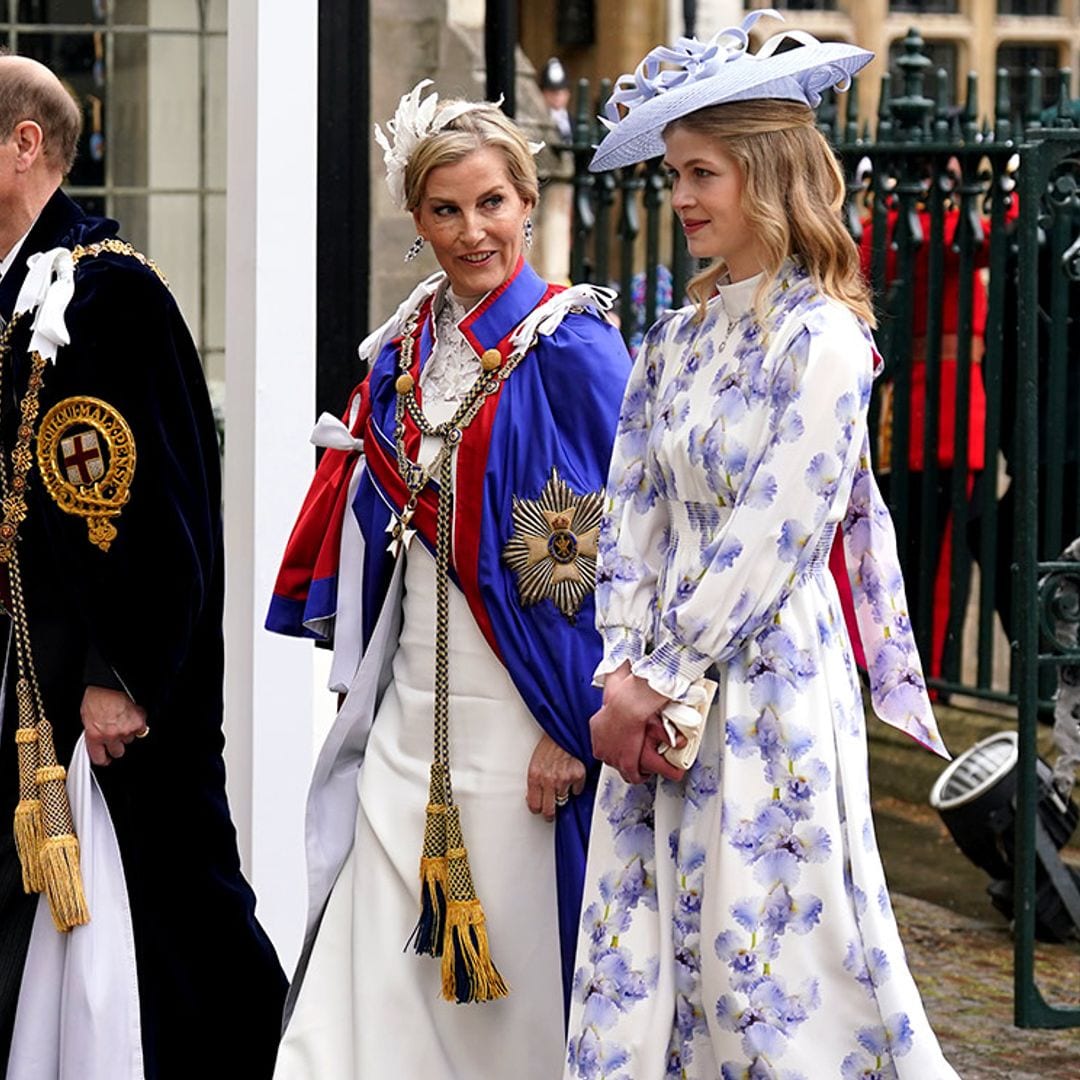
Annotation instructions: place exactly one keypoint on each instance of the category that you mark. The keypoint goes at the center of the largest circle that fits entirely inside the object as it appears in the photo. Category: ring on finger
(562, 798)
(142, 734)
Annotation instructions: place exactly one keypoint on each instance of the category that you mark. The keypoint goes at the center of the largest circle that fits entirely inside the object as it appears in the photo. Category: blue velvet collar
(497, 314)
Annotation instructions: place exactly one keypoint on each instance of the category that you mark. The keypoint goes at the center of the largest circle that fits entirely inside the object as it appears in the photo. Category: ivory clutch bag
(687, 718)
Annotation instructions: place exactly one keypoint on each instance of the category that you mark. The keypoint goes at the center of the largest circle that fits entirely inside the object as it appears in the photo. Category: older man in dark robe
(111, 558)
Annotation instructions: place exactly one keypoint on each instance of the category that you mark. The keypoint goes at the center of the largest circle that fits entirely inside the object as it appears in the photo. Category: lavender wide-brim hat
(714, 72)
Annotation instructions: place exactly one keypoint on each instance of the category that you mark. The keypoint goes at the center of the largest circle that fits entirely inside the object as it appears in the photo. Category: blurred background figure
(555, 87)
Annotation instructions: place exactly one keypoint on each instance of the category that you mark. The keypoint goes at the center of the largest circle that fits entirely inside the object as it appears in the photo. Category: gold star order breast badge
(553, 548)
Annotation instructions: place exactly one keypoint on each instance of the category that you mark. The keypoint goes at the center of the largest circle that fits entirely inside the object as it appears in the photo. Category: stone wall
(440, 40)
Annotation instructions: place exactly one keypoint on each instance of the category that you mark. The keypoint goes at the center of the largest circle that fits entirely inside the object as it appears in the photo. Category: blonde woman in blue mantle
(736, 919)
(447, 545)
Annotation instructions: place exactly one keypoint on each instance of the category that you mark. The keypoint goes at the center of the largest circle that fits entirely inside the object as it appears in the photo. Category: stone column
(869, 19)
(982, 57)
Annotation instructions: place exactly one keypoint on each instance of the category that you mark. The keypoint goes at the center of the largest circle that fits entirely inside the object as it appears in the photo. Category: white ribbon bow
(48, 289)
(547, 318)
(689, 61)
(373, 344)
(687, 718)
(332, 434)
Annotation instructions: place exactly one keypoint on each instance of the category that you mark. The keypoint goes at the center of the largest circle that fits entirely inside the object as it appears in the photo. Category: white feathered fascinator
(412, 123)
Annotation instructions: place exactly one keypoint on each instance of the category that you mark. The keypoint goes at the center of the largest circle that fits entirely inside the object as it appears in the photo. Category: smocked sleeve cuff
(621, 643)
(671, 668)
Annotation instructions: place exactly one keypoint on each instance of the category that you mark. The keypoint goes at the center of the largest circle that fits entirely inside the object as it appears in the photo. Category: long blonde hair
(793, 192)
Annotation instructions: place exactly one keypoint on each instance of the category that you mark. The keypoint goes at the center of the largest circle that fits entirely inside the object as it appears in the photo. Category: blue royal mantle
(557, 410)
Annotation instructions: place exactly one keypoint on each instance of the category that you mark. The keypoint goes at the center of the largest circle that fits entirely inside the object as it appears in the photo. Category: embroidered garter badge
(553, 549)
(86, 454)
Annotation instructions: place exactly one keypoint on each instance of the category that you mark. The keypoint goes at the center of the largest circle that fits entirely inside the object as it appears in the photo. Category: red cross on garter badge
(81, 457)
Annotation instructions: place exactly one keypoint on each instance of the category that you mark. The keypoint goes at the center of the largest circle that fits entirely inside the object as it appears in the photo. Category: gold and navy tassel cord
(468, 971)
(452, 923)
(427, 938)
(29, 831)
(55, 870)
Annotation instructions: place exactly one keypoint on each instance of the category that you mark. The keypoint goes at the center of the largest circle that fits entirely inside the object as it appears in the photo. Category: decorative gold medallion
(86, 454)
(553, 549)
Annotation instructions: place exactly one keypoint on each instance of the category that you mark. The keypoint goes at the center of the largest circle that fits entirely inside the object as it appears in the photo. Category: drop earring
(528, 232)
(414, 249)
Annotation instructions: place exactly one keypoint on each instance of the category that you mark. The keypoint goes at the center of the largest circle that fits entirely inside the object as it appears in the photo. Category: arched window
(924, 7)
(1029, 7)
(1018, 58)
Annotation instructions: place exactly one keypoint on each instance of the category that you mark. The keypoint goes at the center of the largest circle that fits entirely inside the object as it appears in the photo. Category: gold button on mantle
(491, 359)
(404, 383)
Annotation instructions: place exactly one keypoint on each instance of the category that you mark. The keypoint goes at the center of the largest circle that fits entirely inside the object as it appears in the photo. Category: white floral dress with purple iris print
(737, 924)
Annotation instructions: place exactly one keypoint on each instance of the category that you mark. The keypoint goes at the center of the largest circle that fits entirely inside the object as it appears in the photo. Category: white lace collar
(453, 365)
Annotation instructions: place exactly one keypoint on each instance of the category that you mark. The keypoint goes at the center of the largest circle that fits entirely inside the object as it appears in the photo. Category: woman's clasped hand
(627, 733)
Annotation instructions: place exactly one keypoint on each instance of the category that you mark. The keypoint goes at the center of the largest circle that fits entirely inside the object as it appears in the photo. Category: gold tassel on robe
(60, 867)
(29, 832)
(468, 972)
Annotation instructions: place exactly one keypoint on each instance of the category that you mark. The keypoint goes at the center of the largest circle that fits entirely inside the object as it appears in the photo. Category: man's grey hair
(27, 94)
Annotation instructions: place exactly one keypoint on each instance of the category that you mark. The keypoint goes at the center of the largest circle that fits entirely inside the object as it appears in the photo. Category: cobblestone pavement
(959, 948)
(964, 969)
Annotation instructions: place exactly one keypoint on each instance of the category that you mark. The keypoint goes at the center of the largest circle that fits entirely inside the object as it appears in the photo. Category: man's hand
(618, 729)
(111, 720)
(553, 775)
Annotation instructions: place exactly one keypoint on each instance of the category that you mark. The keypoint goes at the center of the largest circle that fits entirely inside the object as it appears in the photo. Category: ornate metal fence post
(1049, 187)
(605, 200)
(654, 194)
(584, 216)
(967, 242)
(630, 183)
(912, 111)
(1000, 198)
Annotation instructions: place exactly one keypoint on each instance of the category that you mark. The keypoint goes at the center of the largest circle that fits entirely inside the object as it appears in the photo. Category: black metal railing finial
(1033, 115)
(969, 117)
(942, 105)
(851, 113)
(1064, 118)
(1002, 107)
(884, 113)
(913, 109)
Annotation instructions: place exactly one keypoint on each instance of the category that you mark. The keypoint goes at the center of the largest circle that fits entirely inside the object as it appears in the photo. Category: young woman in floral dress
(736, 918)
